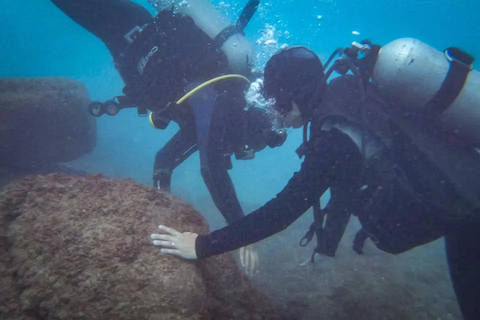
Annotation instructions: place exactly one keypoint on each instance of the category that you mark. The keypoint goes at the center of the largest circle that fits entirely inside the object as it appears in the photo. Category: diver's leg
(211, 113)
(177, 150)
(109, 20)
(463, 253)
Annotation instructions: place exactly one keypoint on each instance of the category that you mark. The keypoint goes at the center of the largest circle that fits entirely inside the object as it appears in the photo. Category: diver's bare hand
(249, 259)
(175, 243)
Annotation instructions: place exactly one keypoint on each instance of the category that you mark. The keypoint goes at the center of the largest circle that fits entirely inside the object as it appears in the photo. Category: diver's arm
(331, 155)
(221, 188)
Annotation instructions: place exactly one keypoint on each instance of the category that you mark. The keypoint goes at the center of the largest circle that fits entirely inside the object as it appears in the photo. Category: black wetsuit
(161, 58)
(396, 217)
(333, 160)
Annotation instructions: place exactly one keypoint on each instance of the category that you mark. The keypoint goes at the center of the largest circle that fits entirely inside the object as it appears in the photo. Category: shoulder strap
(302, 149)
(242, 21)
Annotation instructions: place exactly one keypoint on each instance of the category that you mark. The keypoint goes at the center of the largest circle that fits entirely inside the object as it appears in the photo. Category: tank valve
(363, 48)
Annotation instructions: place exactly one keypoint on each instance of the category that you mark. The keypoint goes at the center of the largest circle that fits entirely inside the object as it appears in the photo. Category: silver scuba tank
(412, 72)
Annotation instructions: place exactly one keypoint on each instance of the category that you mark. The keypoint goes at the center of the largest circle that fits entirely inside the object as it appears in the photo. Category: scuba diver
(394, 136)
(179, 66)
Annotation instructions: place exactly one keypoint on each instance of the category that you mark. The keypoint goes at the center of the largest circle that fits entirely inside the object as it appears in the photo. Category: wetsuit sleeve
(221, 188)
(212, 118)
(329, 157)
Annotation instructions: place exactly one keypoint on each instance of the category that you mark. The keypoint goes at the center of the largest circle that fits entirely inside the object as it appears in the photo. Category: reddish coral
(79, 248)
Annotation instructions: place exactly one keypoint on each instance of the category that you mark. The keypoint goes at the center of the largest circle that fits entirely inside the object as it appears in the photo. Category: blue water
(38, 40)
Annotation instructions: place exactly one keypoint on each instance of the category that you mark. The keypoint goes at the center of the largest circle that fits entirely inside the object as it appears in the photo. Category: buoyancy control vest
(393, 204)
(453, 154)
(159, 60)
(340, 109)
(450, 166)
(169, 53)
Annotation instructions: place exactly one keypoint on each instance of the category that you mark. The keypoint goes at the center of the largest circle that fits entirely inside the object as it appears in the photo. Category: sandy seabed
(377, 285)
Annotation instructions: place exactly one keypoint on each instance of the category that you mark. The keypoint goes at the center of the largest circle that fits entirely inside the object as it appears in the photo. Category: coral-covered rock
(43, 121)
(76, 247)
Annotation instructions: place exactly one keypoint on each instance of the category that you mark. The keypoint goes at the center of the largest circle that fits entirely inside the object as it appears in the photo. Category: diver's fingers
(166, 229)
(304, 263)
(256, 264)
(242, 256)
(174, 252)
(253, 261)
(166, 244)
(248, 259)
(166, 237)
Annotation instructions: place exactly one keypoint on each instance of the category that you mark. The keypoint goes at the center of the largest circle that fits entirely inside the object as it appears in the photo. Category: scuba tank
(435, 83)
(230, 38)
(437, 95)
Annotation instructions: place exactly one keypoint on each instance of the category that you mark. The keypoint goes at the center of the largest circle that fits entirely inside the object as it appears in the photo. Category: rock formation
(75, 247)
(44, 121)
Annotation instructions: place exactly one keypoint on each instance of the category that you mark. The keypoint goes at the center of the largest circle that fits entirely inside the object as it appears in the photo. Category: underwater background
(38, 40)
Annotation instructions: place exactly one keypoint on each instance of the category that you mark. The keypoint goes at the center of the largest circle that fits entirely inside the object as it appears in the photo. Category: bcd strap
(461, 63)
(302, 149)
(247, 14)
(316, 228)
(367, 64)
(226, 33)
(244, 18)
